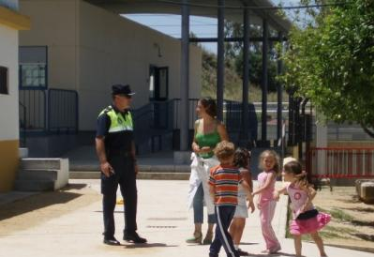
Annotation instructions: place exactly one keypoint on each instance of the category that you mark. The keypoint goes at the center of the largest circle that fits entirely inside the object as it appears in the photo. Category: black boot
(134, 237)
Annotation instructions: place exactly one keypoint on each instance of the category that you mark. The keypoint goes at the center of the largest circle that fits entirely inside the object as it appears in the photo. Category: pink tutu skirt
(299, 227)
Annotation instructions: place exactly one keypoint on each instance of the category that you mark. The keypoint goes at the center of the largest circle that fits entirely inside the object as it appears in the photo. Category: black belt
(119, 152)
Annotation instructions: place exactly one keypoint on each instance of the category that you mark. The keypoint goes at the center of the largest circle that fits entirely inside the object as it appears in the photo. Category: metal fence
(153, 121)
(340, 162)
(50, 111)
(33, 110)
(63, 111)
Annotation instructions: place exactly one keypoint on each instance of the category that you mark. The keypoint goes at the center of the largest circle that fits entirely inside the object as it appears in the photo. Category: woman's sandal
(208, 239)
(196, 239)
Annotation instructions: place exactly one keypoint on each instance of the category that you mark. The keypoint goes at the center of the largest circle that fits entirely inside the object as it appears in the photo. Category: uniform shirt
(117, 141)
(225, 180)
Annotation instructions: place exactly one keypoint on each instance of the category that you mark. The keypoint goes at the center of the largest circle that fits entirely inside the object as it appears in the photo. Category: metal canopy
(258, 12)
(258, 9)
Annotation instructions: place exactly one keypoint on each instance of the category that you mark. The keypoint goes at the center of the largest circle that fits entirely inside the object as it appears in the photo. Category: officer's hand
(106, 169)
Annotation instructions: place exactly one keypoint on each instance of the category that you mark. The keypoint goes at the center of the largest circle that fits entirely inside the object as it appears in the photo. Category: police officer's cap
(120, 89)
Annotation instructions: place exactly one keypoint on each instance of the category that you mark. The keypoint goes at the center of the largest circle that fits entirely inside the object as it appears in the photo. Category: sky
(200, 26)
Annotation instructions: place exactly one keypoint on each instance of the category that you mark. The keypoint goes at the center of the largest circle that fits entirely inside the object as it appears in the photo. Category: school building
(11, 22)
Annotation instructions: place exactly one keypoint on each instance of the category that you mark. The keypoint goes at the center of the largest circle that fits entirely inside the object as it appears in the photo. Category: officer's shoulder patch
(106, 110)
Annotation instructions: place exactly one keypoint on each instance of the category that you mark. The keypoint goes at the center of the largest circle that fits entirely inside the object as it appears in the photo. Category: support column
(265, 47)
(220, 58)
(184, 89)
(245, 117)
(279, 93)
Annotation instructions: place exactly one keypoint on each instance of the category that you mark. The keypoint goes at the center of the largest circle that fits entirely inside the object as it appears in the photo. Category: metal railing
(153, 121)
(340, 162)
(159, 118)
(63, 111)
(51, 111)
(23, 121)
(34, 116)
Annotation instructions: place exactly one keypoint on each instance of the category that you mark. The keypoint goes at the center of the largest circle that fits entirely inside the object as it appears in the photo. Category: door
(158, 95)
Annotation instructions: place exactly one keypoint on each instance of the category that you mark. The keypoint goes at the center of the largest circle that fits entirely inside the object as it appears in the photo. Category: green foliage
(233, 82)
(331, 62)
(234, 55)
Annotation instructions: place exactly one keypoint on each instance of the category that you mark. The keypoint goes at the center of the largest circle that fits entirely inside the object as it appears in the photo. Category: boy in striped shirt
(223, 182)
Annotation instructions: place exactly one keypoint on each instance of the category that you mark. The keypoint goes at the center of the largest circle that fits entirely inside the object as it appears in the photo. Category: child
(241, 160)
(306, 219)
(223, 182)
(270, 164)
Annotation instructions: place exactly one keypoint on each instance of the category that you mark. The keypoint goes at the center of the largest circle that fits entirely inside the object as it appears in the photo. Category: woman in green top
(208, 133)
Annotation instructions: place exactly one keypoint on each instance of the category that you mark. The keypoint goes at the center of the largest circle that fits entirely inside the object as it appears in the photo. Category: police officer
(116, 151)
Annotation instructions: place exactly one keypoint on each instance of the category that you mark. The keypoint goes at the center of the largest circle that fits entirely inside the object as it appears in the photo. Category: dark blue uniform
(116, 129)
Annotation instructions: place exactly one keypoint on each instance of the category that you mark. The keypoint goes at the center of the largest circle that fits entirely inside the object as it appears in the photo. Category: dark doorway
(158, 83)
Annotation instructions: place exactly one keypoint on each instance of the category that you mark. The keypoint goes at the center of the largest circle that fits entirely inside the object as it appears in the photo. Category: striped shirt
(225, 180)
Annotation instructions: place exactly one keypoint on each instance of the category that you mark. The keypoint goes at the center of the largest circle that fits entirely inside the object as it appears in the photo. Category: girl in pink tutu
(306, 218)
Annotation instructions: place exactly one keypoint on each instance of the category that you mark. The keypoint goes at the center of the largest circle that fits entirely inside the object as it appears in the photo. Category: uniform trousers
(124, 176)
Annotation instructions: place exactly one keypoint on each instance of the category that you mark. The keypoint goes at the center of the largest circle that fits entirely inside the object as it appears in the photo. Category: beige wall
(118, 50)
(90, 49)
(54, 24)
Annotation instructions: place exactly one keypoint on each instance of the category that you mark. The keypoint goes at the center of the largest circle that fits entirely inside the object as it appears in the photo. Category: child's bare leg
(210, 228)
(239, 224)
(319, 243)
(297, 242)
(232, 230)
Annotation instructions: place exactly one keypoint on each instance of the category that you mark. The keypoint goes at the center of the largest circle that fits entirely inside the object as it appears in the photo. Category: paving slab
(163, 218)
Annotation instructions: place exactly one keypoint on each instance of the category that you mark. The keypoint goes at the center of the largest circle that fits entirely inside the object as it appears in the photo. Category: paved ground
(163, 219)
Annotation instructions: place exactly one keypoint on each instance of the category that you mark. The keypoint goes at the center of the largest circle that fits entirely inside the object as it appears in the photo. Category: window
(33, 75)
(33, 66)
(4, 81)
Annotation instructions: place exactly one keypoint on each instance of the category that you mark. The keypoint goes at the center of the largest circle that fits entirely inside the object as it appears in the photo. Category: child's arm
(247, 177)
(267, 184)
(311, 194)
(277, 193)
(248, 186)
(212, 192)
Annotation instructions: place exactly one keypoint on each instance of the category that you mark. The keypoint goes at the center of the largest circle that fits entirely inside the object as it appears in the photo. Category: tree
(331, 62)
(234, 55)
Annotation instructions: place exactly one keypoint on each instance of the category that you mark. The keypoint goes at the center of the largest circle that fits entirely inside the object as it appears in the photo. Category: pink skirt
(300, 227)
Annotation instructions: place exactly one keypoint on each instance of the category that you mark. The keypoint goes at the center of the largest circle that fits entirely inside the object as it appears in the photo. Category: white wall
(9, 128)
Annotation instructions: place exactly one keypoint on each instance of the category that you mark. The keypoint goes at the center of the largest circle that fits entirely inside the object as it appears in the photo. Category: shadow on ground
(35, 202)
(149, 245)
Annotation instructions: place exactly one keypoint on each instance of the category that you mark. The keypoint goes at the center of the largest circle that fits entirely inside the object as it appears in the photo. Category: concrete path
(163, 219)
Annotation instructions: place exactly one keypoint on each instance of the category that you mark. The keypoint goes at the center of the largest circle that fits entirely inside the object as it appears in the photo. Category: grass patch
(337, 214)
(329, 232)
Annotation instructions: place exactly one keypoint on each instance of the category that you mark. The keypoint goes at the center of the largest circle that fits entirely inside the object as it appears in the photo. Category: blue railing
(34, 111)
(23, 121)
(52, 111)
(153, 121)
(158, 119)
(63, 111)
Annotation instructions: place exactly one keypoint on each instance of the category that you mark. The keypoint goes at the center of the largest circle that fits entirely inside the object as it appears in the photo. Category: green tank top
(210, 139)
